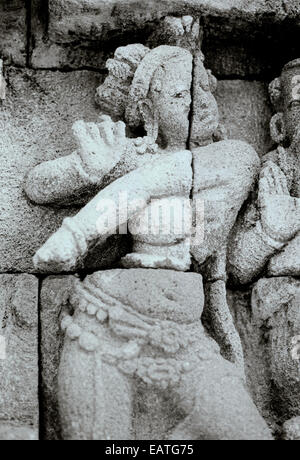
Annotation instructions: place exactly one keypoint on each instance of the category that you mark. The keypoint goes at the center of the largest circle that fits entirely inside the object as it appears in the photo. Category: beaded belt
(140, 331)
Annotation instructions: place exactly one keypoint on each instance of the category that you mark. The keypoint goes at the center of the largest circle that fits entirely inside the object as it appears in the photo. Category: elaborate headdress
(129, 80)
(130, 75)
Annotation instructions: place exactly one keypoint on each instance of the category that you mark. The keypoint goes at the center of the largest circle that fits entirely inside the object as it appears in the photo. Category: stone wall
(54, 55)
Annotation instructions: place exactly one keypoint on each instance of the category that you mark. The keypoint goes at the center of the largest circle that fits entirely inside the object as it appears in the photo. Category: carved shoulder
(224, 174)
(227, 163)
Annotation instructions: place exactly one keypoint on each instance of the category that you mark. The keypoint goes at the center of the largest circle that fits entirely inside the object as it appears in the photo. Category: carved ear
(277, 127)
(149, 118)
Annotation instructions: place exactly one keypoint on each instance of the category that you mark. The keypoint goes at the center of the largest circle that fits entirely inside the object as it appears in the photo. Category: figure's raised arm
(278, 222)
(112, 207)
(70, 179)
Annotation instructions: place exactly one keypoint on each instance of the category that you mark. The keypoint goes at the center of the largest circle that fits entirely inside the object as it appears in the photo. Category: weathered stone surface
(151, 409)
(36, 121)
(19, 369)
(37, 118)
(245, 112)
(229, 106)
(115, 370)
(222, 199)
(248, 39)
(17, 433)
(154, 410)
(13, 31)
(219, 322)
(269, 325)
(123, 331)
(54, 294)
(257, 367)
(267, 232)
(46, 54)
(286, 263)
(275, 308)
(94, 19)
(84, 34)
(291, 429)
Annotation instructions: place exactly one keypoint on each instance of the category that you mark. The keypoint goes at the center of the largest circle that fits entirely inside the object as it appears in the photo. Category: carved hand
(280, 216)
(100, 145)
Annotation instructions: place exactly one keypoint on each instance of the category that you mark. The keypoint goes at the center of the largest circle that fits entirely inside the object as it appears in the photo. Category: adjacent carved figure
(140, 325)
(267, 242)
(269, 237)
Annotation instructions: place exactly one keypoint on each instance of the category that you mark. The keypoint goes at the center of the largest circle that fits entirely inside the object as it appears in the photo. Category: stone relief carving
(272, 226)
(266, 244)
(140, 325)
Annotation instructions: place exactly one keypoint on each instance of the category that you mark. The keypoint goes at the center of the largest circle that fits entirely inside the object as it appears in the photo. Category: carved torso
(161, 232)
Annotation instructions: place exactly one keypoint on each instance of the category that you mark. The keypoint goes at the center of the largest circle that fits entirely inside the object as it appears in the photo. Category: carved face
(291, 89)
(170, 94)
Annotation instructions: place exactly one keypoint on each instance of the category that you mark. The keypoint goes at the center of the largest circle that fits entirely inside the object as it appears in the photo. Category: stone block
(17, 433)
(55, 290)
(76, 34)
(94, 19)
(245, 112)
(13, 31)
(19, 352)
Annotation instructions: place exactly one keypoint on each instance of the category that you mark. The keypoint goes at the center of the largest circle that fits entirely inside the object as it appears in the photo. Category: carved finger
(78, 127)
(120, 131)
(107, 132)
(104, 118)
(267, 178)
(263, 191)
(80, 132)
(276, 178)
(94, 134)
(280, 181)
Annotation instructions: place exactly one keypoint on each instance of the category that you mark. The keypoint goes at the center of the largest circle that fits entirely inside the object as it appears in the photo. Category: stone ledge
(72, 19)
(240, 38)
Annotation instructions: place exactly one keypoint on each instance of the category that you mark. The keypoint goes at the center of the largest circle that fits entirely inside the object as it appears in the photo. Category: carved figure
(270, 234)
(267, 243)
(141, 325)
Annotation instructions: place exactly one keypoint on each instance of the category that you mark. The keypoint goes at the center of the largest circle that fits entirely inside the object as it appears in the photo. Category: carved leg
(221, 408)
(95, 399)
(220, 324)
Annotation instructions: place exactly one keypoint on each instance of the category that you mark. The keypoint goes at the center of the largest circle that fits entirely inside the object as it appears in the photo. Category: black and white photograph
(149, 223)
